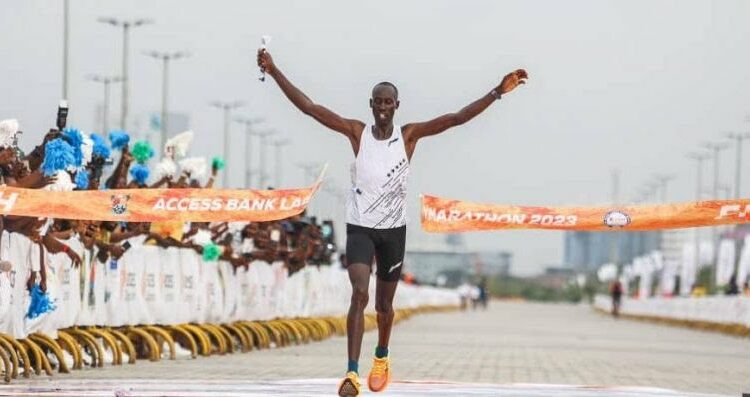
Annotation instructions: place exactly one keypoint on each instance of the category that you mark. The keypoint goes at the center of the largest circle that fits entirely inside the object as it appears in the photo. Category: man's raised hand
(265, 62)
(512, 80)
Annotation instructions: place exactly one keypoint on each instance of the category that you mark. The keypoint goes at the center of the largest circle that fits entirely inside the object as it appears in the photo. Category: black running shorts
(387, 246)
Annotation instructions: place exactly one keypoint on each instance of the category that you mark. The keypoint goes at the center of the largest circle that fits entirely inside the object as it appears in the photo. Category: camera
(62, 115)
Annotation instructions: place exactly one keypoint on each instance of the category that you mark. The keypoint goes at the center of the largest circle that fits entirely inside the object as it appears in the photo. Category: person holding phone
(376, 214)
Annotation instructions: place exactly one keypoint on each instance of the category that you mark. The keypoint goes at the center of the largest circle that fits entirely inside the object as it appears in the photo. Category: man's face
(384, 103)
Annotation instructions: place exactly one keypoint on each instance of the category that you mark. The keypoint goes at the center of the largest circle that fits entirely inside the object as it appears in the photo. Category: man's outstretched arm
(350, 128)
(413, 132)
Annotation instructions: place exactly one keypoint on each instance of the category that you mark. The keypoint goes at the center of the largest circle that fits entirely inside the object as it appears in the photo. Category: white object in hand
(264, 41)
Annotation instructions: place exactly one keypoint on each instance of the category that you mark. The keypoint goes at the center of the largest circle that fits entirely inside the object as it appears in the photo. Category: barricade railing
(729, 313)
(156, 302)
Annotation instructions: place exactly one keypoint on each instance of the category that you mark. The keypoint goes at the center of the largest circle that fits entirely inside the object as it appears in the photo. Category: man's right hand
(265, 62)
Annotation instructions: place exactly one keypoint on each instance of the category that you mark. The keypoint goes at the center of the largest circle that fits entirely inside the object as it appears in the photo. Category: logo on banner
(7, 203)
(120, 203)
(733, 210)
(616, 219)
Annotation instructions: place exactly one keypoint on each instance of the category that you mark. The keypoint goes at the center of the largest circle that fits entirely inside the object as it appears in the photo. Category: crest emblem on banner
(120, 203)
(616, 219)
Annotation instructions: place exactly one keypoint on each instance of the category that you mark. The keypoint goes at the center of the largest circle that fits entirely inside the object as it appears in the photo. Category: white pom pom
(166, 167)
(194, 166)
(202, 237)
(87, 148)
(63, 183)
(236, 227)
(179, 144)
(8, 130)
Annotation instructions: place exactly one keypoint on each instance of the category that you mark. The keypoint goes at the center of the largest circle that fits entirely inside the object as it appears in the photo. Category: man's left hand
(512, 80)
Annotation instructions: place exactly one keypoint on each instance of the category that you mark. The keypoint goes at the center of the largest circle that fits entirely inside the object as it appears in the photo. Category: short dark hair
(386, 83)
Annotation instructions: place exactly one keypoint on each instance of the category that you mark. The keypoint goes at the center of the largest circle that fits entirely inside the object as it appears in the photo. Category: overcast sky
(631, 85)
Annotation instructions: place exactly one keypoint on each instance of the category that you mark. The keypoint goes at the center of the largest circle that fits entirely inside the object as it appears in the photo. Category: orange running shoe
(380, 374)
(349, 387)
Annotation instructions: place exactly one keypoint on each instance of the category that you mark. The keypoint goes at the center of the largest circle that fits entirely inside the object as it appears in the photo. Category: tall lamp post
(126, 24)
(227, 107)
(248, 123)
(278, 144)
(662, 181)
(165, 57)
(262, 173)
(738, 137)
(309, 169)
(715, 149)
(66, 47)
(699, 158)
(106, 81)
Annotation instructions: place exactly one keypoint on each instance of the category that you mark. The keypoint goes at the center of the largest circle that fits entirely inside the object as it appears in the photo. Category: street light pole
(614, 242)
(615, 187)
(248, 149)
(278, 144)
(227, 107)
(248, 123)
(126, 25)
(106, 81)
(726, 191)
(653, 190)
(648, 192)
(662, 181)
(66, 46)
(739, 137)
(165, 57)
(716, 148)
(262, 175)
(699, 158)
(309, 170)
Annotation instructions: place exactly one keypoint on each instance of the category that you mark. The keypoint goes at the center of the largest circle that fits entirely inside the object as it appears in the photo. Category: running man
(376, 215)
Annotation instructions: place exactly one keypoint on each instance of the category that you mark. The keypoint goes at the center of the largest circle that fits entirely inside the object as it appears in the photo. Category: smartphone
(126, 245)
(326, 230)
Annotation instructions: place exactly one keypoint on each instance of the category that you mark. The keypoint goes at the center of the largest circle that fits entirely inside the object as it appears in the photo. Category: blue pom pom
(75, 139)
(58, 155)
(40, 303)
(140, 173)
(73, 136)
(82, 179)
(119, 139)
(101, 148)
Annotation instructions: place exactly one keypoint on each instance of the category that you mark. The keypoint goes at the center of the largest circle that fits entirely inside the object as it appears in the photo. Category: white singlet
(379, 175)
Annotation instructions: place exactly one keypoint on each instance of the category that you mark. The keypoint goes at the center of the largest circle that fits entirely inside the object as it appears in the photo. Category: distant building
(586, 251)
(454, 264)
